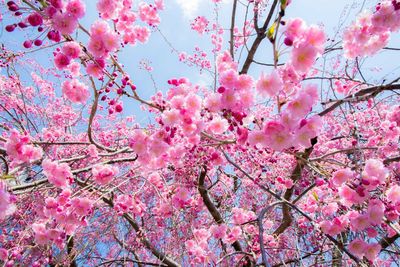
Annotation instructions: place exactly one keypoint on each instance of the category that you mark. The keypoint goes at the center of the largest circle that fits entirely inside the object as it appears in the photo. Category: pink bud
(319, 181)
(38, 42)
(288, 41)
(28, 44)
(10, 28)
(221, 89)
(35, 19)
(22, 25)
(118, 108)
(13, 7)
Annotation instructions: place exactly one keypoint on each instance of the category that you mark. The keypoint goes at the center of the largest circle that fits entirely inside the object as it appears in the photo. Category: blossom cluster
(20, 150)
(61, 216)
(371, 31)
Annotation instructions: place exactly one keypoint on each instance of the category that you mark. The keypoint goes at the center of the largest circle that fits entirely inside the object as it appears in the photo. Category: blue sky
(175, 26)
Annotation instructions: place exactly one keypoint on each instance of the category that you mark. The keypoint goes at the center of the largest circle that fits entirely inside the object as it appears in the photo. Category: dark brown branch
(232, 42)
(261, 230)
(388, 241)
(139, 263)
(361, 95)
(390, 160)
(296, 175)
(260, 37)
(210, 205)
(294, 260)
(76, 171)
(158, 254)
(71, 254)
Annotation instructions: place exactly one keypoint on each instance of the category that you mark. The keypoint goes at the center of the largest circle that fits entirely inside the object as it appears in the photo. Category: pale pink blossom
(59, 174)
(65, 23)
(7, 207)
(218, 126)
(357, 247)
(19, 149)
(393, 194)
(103, 174)
(341, 176)
(76, 8)
(71, 49)
(269, 84)
(75, 91)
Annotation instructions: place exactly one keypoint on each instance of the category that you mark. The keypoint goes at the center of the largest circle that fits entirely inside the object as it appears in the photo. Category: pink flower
(269, 84)
(19, 151)
(393, 194)
(110, 41)
(229, 99)
(75, 91)
(127, 203)
(357, 247)
(341, 176)
(74, 68)
(308, 130)
(103, 174)
(71, 50)
(375, 212)
(92, 151)
(374, 173)
(3, 254)
(213, 102)
(295, 28)
(76, 8)
(229, 78)
(6, 206)
(35, 19)
(156, 180)
(148, 14)
(257, 138)
(234, 234)
(359, 222)
(244, 82)
(240, 216)
(81, 206)
(61, 61)
(109, 9)
(65, 23)
(181, 198)
(218, 126)
(59, 174)
(138, 142)
(302, 104)
(219, 232)
(315, 37)
(278, 137)
(102, 39)
(303, 57)
(200, 24)
(96, 47)
(159, 4)
(41, 233)
(371, 251)
(332, 228)
(141, 34)
(94, 70)
(193, 103)
(349, 196)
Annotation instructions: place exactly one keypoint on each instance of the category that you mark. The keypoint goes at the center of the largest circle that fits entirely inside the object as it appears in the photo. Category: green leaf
(7, 176)
(271, 31)
(315, 196)
(283, 4)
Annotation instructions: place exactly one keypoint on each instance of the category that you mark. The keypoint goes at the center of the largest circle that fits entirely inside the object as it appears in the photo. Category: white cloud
(189, 7)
